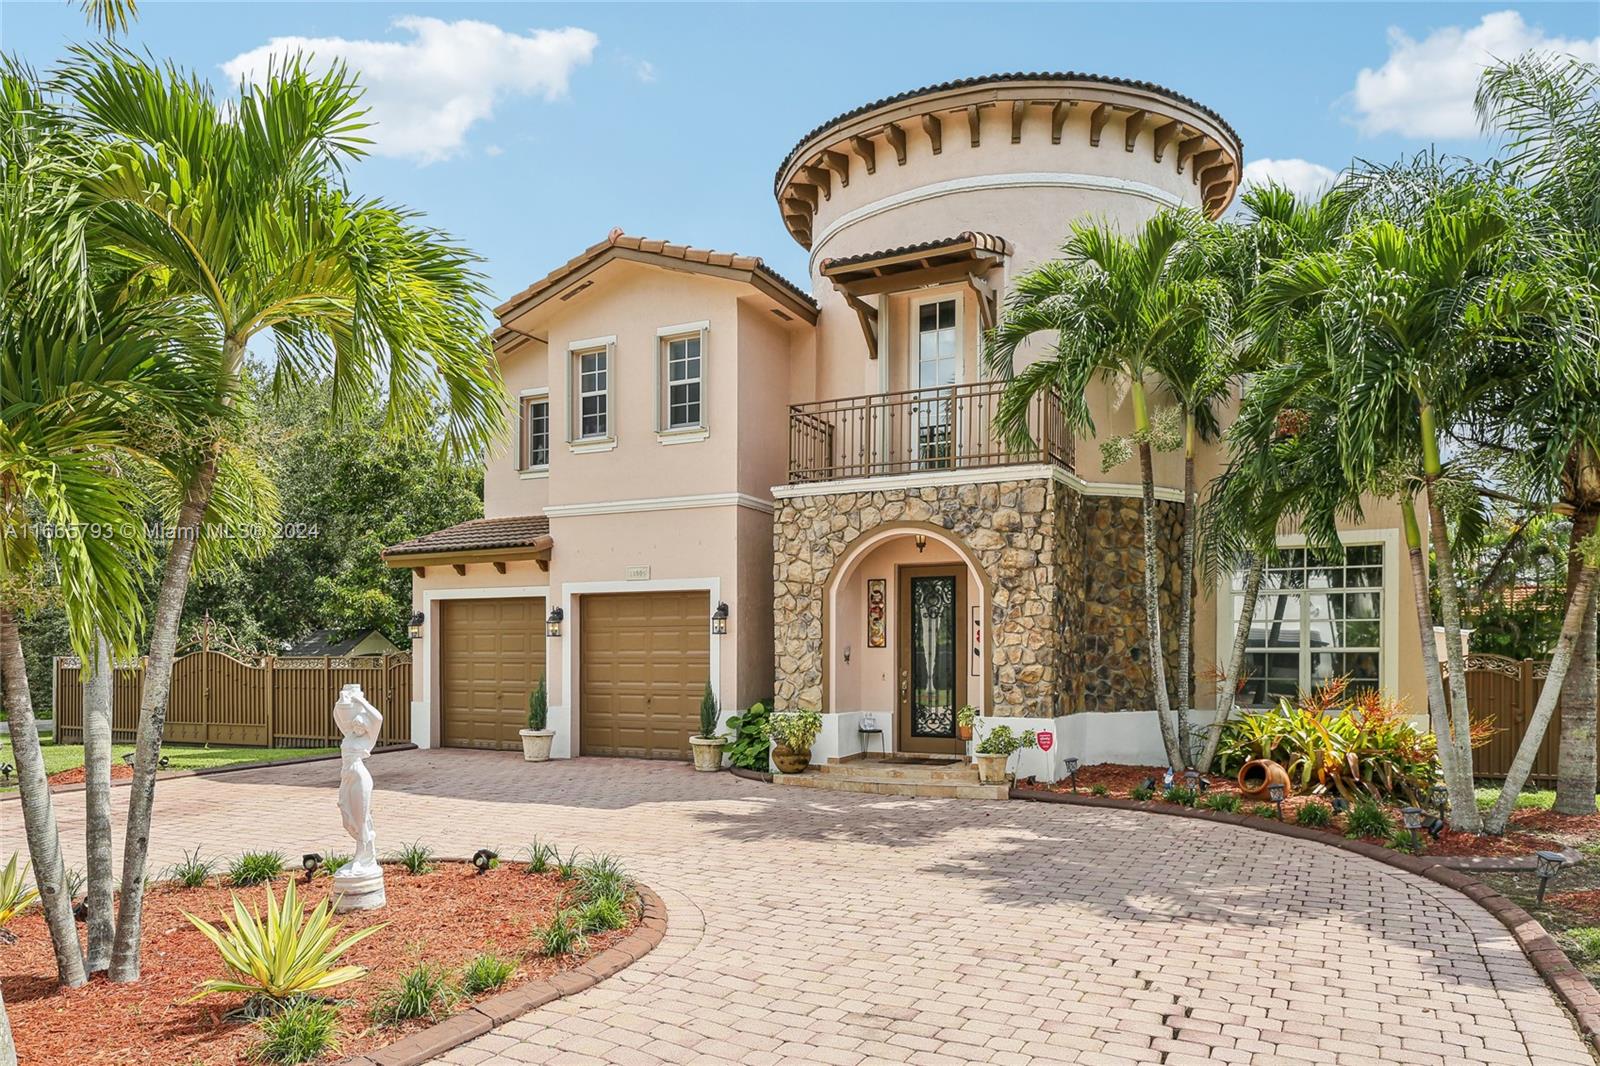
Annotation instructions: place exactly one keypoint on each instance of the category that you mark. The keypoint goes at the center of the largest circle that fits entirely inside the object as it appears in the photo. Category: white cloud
(645, 71)
(427, 92)
(494, 150)
(1300, 176)
(1425, 88)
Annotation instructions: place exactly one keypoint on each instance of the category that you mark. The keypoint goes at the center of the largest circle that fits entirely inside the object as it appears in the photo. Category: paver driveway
(832, 928)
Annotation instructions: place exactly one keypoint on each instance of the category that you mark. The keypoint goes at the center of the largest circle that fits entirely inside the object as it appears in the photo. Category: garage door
(644, 662)
(490, 657)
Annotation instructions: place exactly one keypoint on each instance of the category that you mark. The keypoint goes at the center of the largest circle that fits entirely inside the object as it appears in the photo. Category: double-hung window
(534, 438)
(681, 378)
(1317, 618)
(591, 377)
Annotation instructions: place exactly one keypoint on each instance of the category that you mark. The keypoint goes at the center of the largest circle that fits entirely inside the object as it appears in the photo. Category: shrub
(540, 857)
(538, 706)
(1179, 795)
(562, 935)
(602, 913)
(192, 871)
(416, 857)
(288, 953)
(422, 992)
(1349, 744)
(255, 867)
(1099, 788)
(1227, 802)
(303, 1031)
(796, 730)
(602, 878)
(966, 716)
(1313, 815)
(1264, 810)
(485, 973)
(708, 714)
(751, 746)
(1141, 793)
(333, 863)
(1400, 839)
(1367, 818)
(1003, 740)
(16, 894)
(567, 868)
(1583, 943)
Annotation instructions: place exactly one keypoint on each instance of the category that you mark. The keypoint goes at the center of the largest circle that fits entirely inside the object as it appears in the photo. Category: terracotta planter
(707, 753)
(992, 768)
(1257, 774)
(964, 732)
(790, 761)
(536, 744)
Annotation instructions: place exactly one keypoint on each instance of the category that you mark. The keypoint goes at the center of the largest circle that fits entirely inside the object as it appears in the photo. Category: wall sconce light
(414, 627)
(847, 655)
(921, 541)
(719, 620)
(552, 622)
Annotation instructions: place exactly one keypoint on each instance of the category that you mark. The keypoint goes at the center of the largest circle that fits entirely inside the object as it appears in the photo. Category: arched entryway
(906, 636)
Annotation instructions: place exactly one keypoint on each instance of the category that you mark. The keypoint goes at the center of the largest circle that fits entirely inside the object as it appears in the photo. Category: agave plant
(286, 953)
(16, 894)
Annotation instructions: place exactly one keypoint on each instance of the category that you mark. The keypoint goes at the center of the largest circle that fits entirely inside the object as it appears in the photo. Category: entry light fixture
(1275, 794)
(552, 622)
(309, 862)
(1546, 864)
(414, 627)
(921, 540)
(1411, 818)
(1072, 772)
(483, 859)
(719, 620)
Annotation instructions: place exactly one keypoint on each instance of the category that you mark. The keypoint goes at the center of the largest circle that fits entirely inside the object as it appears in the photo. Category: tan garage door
(490, 658)
(644, 662)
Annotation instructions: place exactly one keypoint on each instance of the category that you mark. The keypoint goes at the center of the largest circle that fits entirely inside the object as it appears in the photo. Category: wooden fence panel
(1504, 691)
(217, 699)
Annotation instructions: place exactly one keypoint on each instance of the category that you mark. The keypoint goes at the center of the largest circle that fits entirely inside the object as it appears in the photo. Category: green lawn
(67, 756)
(1537, 799)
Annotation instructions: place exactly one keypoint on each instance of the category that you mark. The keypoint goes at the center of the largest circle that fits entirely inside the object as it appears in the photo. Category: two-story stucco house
(716, 476)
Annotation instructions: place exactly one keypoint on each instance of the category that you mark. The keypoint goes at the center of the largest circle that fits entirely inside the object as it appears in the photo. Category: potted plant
(995, 750)
(793, 733)
(536, 738)
(964, 719)
(707, 743)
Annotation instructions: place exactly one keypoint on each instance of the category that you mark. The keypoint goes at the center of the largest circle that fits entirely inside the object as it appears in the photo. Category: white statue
(359, 883)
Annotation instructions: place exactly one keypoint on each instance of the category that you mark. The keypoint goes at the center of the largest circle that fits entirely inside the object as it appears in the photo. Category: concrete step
(880, 785)
(955, 773)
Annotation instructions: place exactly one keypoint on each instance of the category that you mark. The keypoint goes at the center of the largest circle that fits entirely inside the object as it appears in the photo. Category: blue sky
(529, 130)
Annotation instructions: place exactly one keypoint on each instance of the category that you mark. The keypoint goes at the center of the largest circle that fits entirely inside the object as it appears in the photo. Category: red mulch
(119, 772)
(1585, 905)
(1523, 840)
(444, 917)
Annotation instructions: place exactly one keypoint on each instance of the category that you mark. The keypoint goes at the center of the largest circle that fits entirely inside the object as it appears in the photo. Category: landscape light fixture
(1339, 805)
(552, 622)
(1149, 784)
(310, 861)
(1275, 794)
(483, 859)
(1439, 798)
(921, 540)
(719, 621)
(1546, 864)
(1072, 772)
(127, 759)
(1191, 781)
(163, 762)
(414, 627)
(1435, 826)
(1411, 818)
(6, 770)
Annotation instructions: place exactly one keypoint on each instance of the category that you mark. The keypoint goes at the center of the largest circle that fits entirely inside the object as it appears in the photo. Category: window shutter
(705, 377)
(522, 433)
(611, 389)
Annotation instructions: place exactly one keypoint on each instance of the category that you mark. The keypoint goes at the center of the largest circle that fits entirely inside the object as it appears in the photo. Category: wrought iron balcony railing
(897, 433)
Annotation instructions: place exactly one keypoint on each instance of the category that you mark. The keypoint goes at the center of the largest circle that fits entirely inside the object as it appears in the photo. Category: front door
(932, 640)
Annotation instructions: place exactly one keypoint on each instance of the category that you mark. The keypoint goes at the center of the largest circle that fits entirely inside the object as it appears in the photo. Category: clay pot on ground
(992, 768)
(536, 744)
(790, 761)
(1256, 775)
(707, 753)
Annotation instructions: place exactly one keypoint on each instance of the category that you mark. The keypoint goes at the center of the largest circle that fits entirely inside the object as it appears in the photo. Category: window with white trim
(592, 410)
(1316, 619)
(535, 435)
(682, 380)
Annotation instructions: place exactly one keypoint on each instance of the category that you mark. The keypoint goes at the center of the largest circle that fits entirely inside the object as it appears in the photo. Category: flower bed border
(1565, 979)
(503, 1007)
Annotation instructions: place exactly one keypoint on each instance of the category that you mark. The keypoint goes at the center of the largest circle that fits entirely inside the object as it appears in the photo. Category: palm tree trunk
(1186, 597)
(1152, 612)
(153, 719)
(1464, 811)
(1228, 691)
(8, 1046)
(97, 694)
(1461, 793)
(1572, 627)
(38, 809)
(1575, 764)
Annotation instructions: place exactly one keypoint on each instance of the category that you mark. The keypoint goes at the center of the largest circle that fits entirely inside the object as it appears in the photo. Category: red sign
(1047, 739)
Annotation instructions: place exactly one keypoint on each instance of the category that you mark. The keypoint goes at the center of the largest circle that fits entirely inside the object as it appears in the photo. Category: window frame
(576, 351)
(525, 400)
(665, 336)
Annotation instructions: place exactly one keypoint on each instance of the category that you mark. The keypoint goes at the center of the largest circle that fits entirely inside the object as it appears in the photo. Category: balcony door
(936, 365)
(933, 647)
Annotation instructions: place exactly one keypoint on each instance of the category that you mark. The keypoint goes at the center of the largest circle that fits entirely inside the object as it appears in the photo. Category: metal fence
(270, 703)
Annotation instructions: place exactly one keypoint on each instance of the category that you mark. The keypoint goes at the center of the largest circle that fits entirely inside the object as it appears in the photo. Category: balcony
(918, 431)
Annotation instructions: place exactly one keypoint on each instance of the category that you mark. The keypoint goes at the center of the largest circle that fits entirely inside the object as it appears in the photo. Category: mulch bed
(1524, 838)
(75, 776)
(444, 917)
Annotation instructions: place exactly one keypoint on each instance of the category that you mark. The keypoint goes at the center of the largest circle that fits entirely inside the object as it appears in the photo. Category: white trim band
(936, 478)
(660, 503)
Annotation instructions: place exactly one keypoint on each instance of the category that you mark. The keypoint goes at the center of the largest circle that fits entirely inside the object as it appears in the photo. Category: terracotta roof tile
(985, 242)
(480, 534)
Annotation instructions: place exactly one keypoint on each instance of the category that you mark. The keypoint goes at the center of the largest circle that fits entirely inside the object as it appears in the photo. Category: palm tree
(1548, 108)
(1118, 310)
(234, 211)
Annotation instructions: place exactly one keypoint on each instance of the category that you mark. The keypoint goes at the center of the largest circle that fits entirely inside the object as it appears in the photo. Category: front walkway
(835, 928)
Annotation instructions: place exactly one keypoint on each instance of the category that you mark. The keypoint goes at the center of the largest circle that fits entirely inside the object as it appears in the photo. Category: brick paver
(812, 927)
